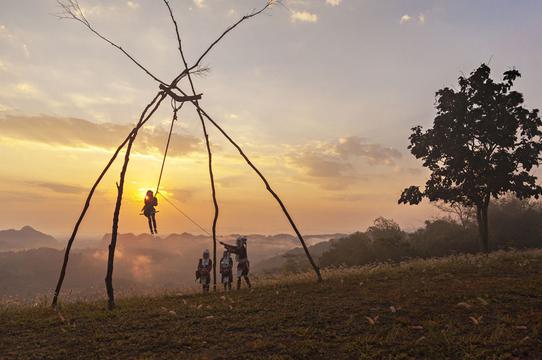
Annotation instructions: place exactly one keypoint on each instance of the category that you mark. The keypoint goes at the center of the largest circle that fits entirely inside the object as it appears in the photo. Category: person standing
(241, 254)
(226, 270)
(203, 273)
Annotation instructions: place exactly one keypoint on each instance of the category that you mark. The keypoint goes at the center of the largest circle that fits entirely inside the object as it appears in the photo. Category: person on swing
(243, 265)
(149, 211)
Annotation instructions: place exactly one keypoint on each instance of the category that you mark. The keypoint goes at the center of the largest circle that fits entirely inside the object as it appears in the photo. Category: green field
(464, 307)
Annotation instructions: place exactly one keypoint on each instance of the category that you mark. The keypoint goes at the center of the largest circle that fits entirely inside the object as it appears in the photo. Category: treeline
(514, 224)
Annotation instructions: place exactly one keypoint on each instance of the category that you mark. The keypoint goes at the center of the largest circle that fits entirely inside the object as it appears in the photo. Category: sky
(321, 94)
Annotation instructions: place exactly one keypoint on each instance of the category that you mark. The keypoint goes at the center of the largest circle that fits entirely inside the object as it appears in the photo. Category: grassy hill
(464, 307)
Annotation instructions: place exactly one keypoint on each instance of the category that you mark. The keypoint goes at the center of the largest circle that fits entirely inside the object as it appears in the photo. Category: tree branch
(207, 143)
(143, 119)
(71, 10)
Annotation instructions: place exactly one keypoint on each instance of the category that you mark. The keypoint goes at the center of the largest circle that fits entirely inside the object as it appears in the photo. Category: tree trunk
(114, 232)
(116, 214)
(485, 239)
(213, 192)
(269, 189)
(483, 229)
(143, 119)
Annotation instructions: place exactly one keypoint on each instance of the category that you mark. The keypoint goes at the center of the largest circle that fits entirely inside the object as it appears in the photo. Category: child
(243, 266)
(205, 265)
(226, 270)
(149, 211)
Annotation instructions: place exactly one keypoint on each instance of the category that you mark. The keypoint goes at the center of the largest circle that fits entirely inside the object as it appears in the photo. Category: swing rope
(184, 214)
(175, 110)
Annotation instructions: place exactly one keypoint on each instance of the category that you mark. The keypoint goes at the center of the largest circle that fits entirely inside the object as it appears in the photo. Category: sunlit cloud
(97, 10)
(405, 19)
(336, 165)
(80, 133)
(11, 38)
(4, 108)
(200, 3)
(303, 16)
(57, 187)
(133, 5)
(333, 2)
(25, 88)
(421, 19)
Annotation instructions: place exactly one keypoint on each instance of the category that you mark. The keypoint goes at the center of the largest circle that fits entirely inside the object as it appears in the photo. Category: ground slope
(465, 307)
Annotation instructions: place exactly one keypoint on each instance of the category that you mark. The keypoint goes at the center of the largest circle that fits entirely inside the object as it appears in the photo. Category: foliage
(383, 241)
(517, 224)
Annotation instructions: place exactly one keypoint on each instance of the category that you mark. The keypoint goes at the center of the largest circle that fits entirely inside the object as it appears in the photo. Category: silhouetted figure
(149, 211)
(226, 270)
(205, 265)
(243, 265)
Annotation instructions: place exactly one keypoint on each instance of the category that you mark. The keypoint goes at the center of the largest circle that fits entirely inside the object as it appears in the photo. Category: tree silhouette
(483, 144)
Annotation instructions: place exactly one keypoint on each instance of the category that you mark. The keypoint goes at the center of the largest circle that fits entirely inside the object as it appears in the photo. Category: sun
(142, 192)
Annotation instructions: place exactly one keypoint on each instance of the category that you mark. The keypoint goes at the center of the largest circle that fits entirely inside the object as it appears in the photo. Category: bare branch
(207, 142)
(70, 9)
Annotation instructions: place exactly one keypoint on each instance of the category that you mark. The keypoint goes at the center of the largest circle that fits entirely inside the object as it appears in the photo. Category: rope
(175, 110)
(184, 214)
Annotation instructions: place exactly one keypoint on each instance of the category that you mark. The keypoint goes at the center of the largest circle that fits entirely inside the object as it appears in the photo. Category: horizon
(66, 99)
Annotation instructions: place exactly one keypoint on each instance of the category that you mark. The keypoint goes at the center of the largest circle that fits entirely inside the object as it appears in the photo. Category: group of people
(205, 264)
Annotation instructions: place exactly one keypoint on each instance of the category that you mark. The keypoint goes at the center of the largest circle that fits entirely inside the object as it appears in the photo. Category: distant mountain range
(30, 260)
(25, 238)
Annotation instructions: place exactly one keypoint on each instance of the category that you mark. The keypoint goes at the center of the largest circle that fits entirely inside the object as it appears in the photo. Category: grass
(463, 307)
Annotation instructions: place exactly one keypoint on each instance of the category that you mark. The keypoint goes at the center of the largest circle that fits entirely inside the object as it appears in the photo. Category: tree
(483, 145)
(465, 214)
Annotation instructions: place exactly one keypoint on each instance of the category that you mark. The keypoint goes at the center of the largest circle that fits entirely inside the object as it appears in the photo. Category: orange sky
(322, 96)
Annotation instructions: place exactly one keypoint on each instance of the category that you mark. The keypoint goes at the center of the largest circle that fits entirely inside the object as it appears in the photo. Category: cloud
(421, 19)
(408, 19)
(9, 37)
(333, 2)
(375, 154)
(232, 116)
(335, 165)
(200, 3)
(133, 5)
(303, 16)
(25, 88)
(57, 187)
(98, 10)
(405, 19)
(182, 195)
(81, 133)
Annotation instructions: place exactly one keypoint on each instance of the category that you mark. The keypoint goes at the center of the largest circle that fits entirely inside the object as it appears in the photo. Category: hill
(25, 238)
(461, 307)
(293, 260)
